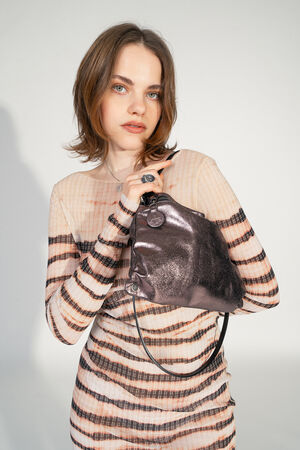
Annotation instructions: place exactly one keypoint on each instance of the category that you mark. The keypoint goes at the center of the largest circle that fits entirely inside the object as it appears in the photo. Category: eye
(157, 95)
(116, 86)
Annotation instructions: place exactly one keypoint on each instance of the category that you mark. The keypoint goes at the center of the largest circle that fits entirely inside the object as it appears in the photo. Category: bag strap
(169, 157)
(203, 366)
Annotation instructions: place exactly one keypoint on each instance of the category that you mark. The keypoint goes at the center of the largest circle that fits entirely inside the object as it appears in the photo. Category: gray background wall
(237, 70)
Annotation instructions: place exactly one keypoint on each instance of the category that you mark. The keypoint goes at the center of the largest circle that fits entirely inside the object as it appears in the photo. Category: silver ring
(147, 177)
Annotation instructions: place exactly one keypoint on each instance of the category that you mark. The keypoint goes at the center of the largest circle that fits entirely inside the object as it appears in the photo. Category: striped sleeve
(222, 207)
(76, 290)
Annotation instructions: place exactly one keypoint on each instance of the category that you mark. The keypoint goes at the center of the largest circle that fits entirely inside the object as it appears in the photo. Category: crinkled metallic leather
(182, 262)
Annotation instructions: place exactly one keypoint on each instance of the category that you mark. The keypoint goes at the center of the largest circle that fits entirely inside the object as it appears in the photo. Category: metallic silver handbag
(178, 257)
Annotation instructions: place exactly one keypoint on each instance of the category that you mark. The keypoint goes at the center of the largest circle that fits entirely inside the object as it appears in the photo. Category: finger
(138, 176)
(138, 181)
(157, 166)
(148, 187)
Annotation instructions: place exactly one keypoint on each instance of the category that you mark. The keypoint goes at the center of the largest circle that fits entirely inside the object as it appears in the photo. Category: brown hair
(93, 77)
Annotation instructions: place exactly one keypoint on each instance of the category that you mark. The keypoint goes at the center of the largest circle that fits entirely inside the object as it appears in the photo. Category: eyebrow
(128, 81)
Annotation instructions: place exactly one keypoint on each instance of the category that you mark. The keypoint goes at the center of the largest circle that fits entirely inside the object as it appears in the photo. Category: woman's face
(133, 99)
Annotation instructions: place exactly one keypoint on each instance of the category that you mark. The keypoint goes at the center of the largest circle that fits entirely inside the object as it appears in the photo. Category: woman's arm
(220, 204)
(75, 291)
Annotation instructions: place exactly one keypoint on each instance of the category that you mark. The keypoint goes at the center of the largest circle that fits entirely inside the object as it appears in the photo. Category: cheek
(107, 114)
(156, 113)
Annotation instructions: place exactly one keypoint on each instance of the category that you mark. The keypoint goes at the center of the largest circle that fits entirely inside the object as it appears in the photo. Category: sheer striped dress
(121, 399)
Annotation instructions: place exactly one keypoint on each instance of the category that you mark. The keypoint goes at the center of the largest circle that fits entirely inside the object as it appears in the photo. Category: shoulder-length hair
(92, 79)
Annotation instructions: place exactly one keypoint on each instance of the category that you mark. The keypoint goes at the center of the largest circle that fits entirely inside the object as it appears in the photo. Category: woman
(121, 399)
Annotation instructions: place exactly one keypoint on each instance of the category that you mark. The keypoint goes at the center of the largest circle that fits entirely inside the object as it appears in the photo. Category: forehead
(138, 63)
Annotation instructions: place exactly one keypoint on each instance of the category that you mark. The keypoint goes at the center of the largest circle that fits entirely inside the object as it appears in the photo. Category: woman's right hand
(134, 188)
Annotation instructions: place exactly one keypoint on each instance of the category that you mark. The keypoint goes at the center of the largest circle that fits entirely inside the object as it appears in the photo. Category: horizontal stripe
(61, 239)
(102, 437)
(127, 210)
(113, 421)
(132, 374)
(130, 406)
(63, 257)
(114, 221)
(236, 218)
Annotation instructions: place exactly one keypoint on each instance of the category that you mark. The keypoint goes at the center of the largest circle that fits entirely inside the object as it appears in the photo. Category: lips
(134, 127)
(133, 123)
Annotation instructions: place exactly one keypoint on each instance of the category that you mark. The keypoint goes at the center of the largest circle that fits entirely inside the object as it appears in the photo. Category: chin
(131, 143)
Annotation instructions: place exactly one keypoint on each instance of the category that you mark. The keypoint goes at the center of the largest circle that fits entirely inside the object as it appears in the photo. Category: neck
(119, 161)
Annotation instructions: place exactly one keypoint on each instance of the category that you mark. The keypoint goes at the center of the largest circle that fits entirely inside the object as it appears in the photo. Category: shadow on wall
(30, 409)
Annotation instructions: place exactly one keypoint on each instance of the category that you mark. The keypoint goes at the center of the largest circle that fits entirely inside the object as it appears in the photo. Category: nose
(137, 104)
